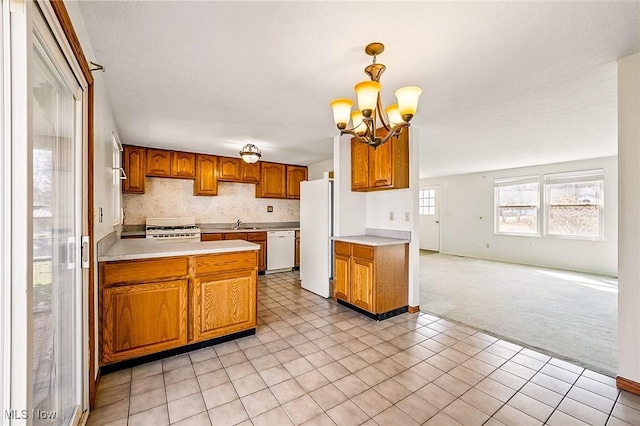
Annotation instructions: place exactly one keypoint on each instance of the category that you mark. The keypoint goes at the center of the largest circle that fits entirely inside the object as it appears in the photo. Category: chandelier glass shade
(364, 120)
(250, 153)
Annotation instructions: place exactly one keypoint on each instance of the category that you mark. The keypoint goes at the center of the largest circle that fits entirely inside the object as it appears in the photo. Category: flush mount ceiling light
(364, 120)
(250, 153)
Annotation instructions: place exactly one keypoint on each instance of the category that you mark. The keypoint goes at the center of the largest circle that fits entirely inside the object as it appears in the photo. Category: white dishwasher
(280, 251)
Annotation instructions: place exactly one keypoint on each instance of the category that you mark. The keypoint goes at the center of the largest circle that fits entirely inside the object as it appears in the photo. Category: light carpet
(565, 314)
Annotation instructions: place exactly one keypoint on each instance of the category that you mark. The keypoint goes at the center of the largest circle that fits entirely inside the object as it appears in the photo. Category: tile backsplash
(174, 198)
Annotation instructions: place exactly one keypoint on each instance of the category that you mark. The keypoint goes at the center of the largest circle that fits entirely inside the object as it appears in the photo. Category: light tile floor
(314, 362)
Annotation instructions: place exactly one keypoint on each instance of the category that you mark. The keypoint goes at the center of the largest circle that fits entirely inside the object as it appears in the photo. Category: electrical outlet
(390, 215)
(407, 217)
(270, 209)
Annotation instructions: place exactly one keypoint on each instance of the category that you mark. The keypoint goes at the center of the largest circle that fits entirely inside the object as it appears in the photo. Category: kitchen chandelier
(363, 119)
(250, 153)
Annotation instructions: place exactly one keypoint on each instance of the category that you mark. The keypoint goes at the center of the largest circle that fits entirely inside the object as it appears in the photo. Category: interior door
(56, 128)
(429, 209)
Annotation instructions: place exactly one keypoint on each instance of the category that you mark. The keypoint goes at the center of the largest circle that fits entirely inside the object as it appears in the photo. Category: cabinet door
(261, 239)
(342, 277)
(272, 181)
(250, 172)
(297, 253)
(359, 165)
(295, 175)
(206, 182)
(362, 284)
(133, 162)
(223, 304)
(144, 318)
(229, 169)
(381, 165)
(158, 162)
(183, 165)
(262, 255)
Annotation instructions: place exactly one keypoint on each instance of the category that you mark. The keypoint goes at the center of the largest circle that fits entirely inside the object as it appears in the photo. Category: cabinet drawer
(256, 236)
(362, 252)
(214, 263)
(235, 236)
(342, 248)
(142, 270)
(210, 237)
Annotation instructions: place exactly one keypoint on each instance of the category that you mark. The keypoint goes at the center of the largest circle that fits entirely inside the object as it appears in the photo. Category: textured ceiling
(505, 84)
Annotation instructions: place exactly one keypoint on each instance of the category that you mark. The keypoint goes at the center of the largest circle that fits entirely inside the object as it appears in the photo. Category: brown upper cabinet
(133, 163)
(183, 165)
(235, 170)
(229, 169)
(158, 162)
(250, 172)
(162, 163)
(386, 167)
(295, 175)
(206, 182)
(272, 181)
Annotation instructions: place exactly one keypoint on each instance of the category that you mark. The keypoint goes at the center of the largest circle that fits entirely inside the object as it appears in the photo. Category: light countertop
(215, 228)
(142, 248)
(212, 230)
(370, 240)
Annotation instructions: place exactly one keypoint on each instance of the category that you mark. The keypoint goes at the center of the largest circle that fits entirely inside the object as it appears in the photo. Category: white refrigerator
(316, 229)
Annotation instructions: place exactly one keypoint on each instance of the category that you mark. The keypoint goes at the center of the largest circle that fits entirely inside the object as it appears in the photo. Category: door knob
(437, 221)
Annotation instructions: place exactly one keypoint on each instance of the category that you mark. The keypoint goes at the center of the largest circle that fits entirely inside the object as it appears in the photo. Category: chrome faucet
(238, 224)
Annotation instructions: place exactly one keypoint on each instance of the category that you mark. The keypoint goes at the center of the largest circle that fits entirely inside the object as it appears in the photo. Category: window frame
(578, 175)
(118, 175)
(512, 181)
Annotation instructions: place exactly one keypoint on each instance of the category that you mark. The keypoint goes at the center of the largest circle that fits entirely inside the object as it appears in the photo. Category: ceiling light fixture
(364, 121)
(250, 153)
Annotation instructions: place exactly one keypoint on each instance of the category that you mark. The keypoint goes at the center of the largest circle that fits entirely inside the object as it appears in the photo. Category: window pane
(518, 220)
(574, 220)
(518, 195)
(575, 203)
(575, 193)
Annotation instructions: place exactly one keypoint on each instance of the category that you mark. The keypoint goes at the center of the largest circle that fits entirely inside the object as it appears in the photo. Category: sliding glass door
(56, 128)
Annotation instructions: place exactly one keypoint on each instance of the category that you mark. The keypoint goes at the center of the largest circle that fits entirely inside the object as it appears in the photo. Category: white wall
(103, 125)
(317, 170)
(349, 208)
(629, 248)
(356, 211)
(165, 197)
(467, 222)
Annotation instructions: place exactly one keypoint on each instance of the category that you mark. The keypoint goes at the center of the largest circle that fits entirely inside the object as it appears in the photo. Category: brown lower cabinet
(373, 279)
(223, 304)
(152, 305)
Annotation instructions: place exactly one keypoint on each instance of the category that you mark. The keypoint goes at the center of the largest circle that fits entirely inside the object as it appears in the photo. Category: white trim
(21, 40)
(5, 211)
(61, 39)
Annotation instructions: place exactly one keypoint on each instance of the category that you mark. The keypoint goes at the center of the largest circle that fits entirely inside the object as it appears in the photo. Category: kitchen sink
(242, 228)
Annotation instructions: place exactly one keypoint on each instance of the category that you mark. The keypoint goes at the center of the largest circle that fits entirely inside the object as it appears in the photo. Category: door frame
(437, 187)
(16, 201)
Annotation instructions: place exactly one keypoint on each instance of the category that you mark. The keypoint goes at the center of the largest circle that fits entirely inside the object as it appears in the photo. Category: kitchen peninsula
(159, 296)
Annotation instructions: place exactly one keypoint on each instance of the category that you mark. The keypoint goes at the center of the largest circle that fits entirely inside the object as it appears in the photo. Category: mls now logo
(25, 414)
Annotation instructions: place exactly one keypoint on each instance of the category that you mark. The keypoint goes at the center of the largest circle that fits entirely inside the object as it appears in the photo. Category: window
(517, 202)
(574, 204)
(427, 202)
(118, 175)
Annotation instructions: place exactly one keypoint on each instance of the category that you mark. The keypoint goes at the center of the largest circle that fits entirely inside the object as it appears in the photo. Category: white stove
(172, 229)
